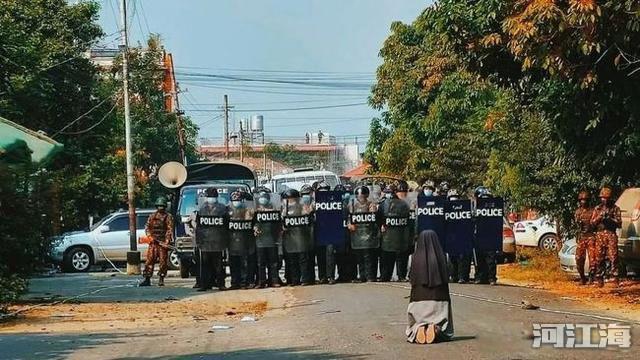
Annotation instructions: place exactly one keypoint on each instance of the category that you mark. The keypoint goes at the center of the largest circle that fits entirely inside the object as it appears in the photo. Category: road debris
(529, 306)
(328, 312)
(215, 328)
(248, 319)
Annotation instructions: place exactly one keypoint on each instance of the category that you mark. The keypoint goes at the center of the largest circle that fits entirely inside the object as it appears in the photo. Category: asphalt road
(362, 321)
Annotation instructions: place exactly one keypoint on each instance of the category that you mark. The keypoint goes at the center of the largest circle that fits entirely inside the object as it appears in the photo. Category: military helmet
(306, 189)
(237, 196)
(161, 201)
(429, 184)
(584, 195)
(403, 186)
(339, 187)
(291, 194)
(348, 187)
(606, 192)
(211, 192)
(362, 190)
(453, 194)
(389, 189)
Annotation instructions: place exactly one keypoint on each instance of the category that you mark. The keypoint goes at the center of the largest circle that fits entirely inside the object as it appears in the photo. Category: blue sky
(284, 42)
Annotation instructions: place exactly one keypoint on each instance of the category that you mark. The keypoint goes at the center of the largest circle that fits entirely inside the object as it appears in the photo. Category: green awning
(16, 138)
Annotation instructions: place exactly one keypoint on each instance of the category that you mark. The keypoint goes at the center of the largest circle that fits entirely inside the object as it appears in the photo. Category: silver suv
(107, 240)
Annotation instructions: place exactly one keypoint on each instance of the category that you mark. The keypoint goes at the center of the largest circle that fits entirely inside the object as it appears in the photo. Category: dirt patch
(542, 270)
(95, 317)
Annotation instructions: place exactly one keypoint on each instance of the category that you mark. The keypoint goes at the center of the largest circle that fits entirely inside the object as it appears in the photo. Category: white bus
(298, 178)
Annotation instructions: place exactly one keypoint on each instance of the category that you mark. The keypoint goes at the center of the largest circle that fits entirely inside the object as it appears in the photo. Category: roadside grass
(541, 269)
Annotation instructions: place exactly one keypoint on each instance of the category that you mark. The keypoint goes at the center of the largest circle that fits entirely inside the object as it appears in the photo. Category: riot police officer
(212, 239)
(317, 254)
(402, 262)
(242, 245)
(267, 228)
(160, 228)
(394, 229)
(486, 267)
(459, 265)
(345, 259)
(364, 234)
(443, 189)
(296, 238)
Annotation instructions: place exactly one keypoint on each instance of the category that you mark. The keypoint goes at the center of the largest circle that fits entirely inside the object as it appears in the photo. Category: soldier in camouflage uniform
(606, 218)
(586, 237)
(160, 228)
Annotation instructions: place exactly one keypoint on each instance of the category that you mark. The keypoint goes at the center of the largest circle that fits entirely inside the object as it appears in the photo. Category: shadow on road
(284, 353)
(53, 347)
(462, 338)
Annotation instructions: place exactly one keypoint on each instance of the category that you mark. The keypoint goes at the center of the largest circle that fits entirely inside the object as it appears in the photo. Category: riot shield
(330, 215)
(395, 223)
(297, 226)
(267, 219)
(489, 223)
(241, 233)
(412, 202)
(430, 216)
(458, 227)
(363, 222)
(211, 225)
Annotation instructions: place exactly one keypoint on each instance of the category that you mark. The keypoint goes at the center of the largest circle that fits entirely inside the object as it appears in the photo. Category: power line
(245, 89)
(287, 109)
(92, 126)
(81, 116)
(274, 71)
(313, 83)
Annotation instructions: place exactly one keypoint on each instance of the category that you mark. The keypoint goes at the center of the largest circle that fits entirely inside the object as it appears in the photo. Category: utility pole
(241, 142)
(226, 127)
(133, 255)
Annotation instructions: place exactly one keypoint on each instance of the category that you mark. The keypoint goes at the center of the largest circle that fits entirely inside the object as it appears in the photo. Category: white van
(298, 178)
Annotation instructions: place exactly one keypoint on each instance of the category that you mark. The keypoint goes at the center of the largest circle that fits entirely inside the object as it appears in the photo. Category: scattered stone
(529, 306)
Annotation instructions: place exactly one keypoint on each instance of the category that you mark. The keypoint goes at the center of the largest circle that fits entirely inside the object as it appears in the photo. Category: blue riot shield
(330, 213)
(430, 216)
(458, 227)
(489, 223)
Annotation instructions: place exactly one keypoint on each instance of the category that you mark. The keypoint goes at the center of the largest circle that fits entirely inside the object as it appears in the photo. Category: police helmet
(306, 189)
(362, 190)
(429, 184)
(389, 189)
(403, 187)
(339, 187)
(211, 192)
(584, 195)
(453, 194)
(237, 196)
(161, 201)
(291, 194)
(262, 189)
(481, 192)
(265, 195)
(348, 187)
(322, 186)
(444, 186)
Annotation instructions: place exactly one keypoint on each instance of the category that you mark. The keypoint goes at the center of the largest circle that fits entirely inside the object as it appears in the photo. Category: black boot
(161, 281)
(145, 282)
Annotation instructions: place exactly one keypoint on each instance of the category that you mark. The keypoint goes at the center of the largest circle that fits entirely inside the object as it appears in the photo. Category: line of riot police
(350, 236)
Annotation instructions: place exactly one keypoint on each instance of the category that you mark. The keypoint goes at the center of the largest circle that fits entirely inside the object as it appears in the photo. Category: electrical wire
(286, 109)
(92, 126)
(81, 116)
(245, 89)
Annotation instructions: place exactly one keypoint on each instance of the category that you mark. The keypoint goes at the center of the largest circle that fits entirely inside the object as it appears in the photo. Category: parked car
(629, 234)
(508, 242)
(107, 240)
(537, 233)
(567, 257)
